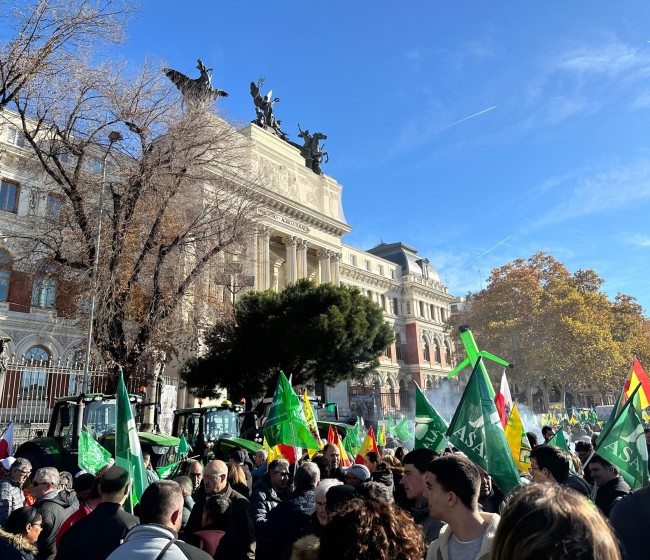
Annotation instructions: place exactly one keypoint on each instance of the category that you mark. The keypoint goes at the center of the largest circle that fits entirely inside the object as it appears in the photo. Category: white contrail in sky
(467, 118)
(490, 249)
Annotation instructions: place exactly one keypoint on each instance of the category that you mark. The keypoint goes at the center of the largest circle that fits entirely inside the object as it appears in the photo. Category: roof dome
(407, 257)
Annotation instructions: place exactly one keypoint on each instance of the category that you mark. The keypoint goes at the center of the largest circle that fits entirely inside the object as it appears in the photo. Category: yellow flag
(517, 440)
(311, 421)
(381, 436)
(273, 452)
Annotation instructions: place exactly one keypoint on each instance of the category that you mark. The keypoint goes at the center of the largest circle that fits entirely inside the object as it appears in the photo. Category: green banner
(430, 428)
(92, 456)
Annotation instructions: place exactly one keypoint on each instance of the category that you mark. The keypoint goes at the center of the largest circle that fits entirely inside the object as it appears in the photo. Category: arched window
(5, 274)
(447, 353)
(438, 356)
(398, 347)
(33, 382)
(426, 354)
(44, 290)
(392, 393)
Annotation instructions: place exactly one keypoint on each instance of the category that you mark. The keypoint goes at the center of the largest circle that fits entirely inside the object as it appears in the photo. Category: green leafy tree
(324, 333)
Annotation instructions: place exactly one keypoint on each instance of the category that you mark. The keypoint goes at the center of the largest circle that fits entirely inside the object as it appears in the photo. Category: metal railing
(29, 388)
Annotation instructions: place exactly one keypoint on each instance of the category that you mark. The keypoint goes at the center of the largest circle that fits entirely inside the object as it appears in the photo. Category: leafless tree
(179, 199)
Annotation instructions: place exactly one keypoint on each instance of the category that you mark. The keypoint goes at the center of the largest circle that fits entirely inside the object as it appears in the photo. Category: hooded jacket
(263, 499)
(14, 547)
(54, 508)
(11, 498)
(384, 477)
(439, 549)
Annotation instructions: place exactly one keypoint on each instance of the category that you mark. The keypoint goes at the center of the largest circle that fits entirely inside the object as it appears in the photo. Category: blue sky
(555, 156)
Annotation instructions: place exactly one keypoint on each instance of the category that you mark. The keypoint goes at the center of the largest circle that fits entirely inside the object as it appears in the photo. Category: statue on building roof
(195, 89)
(311, 149)
(264, 110)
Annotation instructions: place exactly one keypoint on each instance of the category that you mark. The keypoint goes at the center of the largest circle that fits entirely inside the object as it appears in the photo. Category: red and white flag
(503, 400)
(7, 442)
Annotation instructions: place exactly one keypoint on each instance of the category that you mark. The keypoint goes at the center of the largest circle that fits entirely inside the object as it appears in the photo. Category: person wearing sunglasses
(11, 488)
(20, 533)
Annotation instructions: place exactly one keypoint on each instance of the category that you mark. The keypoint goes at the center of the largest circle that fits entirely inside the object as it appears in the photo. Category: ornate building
(298, 236)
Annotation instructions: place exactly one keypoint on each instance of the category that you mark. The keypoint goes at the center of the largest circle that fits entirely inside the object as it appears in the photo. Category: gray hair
(324, 486)
(273, 465)
(22, 464)
(263, 453)
(307, 476)
(50, 475)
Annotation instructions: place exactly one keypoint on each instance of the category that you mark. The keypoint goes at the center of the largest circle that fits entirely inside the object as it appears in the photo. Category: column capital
(290, 241)
(323, 254)
(264, 230)
(334, 256)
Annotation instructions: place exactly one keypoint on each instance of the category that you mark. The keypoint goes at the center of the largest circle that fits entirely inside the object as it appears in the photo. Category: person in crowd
(375, 491)
(292, 519)
(150, 472)
(102, 530)
(547, 434)
(321, 513)
(356, 474)
(323, 465)
(415, 466)
(54, 506)
(269, 492)
(609, 484)
(453, 484)
(397, 470)
(156, 538)
(195, 473)
(240, 519)
(630, 519)
(378, 468)
(337, 496)
(210, 536)
(550, 521)
(259, 464)
(91, 500)
(550, 464)
(400, 453)
(66, 482)
(370, 530)
(646, 433)
(333, 455)
(239, 477)
(490, 498)
(20, 533)
(11, 487)
(188, 503)
(583, 451)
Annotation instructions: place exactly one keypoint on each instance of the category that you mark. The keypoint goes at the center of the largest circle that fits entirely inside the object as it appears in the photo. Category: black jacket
(240, 519)
(13, 547)
(54, 510)
(384, 477)
(630, 518)
(578, 484)
(98, 534)
(608, 494)
(287, 523)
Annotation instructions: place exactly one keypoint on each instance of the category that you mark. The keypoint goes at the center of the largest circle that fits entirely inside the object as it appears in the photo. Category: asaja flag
(7, 442)
(369, 444)
(430, 428)
(402, 430)
(618, 405)
(559, 440)
(476, 430)
(286, 422)
(183, 448)
(390, 426)
(92, 456)
(638, 377)
(128, 454)
(503, 400)
(624, 444)
(311, 419)
(517, 440)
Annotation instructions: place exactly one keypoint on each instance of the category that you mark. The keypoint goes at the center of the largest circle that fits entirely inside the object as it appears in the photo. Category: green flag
(558, 440)
(352, 440)
(430, 428)
(92, 456)
(612, 416)
(128, 454)
(390, 426)
(402, 430)
(168, 471)
(476, 430)
(286, 422)
(183, 448)
(624, 446)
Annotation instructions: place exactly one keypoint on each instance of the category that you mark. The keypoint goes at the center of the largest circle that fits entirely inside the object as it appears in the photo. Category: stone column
(335, 259)
(292, 268)
(263, 259)
(275, 281)
(302, 259)
(324, 258)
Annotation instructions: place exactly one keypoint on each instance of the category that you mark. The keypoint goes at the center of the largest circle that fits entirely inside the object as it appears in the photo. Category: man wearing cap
(356, 474)
(11, 487)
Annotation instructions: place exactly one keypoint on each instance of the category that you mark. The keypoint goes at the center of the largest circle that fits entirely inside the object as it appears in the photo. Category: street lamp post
(114, 136)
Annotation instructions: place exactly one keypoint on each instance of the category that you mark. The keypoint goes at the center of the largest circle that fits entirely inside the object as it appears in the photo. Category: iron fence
(29, 388)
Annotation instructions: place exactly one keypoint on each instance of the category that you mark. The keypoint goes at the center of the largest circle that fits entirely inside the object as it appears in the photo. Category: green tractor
(94, 412)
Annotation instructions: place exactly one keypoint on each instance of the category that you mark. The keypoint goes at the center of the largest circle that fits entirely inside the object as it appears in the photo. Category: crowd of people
(397, 504)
